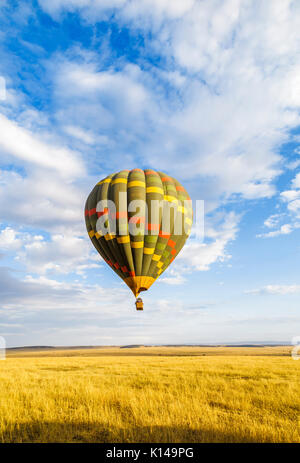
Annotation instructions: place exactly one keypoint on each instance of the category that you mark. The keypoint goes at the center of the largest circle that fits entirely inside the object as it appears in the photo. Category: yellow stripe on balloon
(170, 199)
(106, 180)
(91, 233)
(137, 244)
(123, 239)
(108, 237)
(136, 183)
(154, 189)
(160, 264)
(188, 220)
(156, 257)
(119, 180)
(149, 250)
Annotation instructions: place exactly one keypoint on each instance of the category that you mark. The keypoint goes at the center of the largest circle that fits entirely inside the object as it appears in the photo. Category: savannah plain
(150, 394)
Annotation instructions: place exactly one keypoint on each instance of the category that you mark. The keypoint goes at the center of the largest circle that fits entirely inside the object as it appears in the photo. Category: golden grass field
(150, 394)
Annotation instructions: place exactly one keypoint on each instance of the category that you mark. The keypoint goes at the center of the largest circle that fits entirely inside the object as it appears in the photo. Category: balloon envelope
(138, 221)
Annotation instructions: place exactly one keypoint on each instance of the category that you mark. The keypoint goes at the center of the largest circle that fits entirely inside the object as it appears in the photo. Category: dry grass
(159, 394)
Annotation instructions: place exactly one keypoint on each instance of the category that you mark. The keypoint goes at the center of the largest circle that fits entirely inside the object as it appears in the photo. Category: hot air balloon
(138, 221)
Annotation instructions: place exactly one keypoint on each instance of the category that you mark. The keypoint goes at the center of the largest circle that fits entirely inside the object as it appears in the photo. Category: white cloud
(293, 164)
(201, 256)
(107, 99)
(42, 200)
(42, 293)
(77, 132)
(39, 190)
(272, 221)
(291, 199)
(173, 277)
(232, 89)
(235, 160)
(43, 311)
(285, 229)
(154, 12)
(290, 195)
(63, 254)
(9, 239)
(12, 240)
(296, 181)
(294, 206)
(141, 10)
(27, 147)
(276, 290)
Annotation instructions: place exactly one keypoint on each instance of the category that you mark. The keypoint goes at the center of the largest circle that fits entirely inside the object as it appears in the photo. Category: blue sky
(207, 91)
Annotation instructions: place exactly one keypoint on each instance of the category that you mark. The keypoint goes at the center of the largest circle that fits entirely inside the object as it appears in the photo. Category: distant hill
(135, 346)
(31, 348)
(132, 346)
(57, 347)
